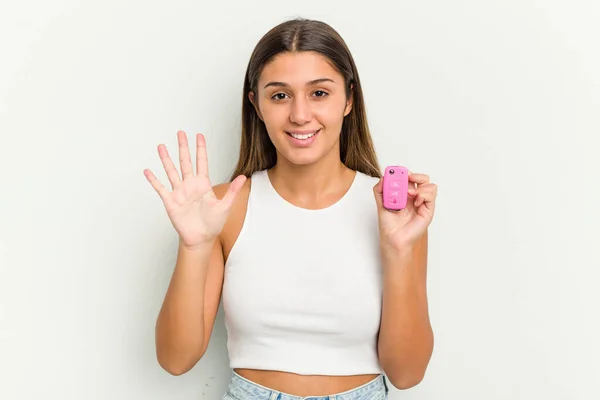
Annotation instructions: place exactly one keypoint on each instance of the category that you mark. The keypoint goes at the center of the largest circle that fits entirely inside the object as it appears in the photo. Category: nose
(300, 113)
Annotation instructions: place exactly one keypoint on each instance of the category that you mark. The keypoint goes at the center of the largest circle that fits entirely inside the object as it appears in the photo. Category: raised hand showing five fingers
(192, 206)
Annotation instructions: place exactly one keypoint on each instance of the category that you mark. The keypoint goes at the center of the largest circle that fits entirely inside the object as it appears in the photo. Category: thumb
(234, 189)
(378, 193)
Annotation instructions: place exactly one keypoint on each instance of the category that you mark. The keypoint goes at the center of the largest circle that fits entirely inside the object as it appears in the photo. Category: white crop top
(302, 289)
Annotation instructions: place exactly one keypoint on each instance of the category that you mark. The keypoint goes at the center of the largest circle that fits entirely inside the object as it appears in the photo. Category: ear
(252, 99)
(349, 102)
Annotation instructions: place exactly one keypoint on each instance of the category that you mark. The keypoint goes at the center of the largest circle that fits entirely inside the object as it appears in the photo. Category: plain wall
(498, 101)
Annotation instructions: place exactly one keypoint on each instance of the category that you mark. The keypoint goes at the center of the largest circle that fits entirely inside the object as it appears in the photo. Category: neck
(311, 182)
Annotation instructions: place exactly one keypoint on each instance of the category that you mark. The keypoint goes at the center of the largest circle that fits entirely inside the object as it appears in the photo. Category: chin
(305, 159)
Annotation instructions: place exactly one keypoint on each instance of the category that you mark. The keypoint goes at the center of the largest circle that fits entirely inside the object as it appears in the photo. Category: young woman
(324, 290)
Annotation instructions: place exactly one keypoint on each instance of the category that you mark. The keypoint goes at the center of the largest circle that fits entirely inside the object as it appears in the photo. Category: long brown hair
(257, 152)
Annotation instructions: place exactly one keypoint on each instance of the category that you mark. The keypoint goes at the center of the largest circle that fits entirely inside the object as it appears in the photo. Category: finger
(425, 187)
(201, 158)
(234, 188)
(160, 189)
(170, 169)
(424, 195)
(427, 202)
(378, 193)
(185, 160)
(419, 179)
(378, 188)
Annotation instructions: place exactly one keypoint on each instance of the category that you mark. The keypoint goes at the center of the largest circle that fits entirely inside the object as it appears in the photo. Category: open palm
(192, 206)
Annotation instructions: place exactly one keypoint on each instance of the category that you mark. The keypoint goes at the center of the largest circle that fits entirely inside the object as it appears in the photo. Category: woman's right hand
(196, 213)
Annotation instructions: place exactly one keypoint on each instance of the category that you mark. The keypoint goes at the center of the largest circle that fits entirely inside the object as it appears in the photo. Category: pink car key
(395, 188)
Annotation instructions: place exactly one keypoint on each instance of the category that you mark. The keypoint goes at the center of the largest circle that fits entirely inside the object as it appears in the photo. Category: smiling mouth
(303, 136)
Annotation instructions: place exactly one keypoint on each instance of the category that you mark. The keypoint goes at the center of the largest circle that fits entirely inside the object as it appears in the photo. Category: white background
(498, 101)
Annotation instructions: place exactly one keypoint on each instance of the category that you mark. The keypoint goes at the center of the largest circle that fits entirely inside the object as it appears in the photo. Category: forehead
(298, 68)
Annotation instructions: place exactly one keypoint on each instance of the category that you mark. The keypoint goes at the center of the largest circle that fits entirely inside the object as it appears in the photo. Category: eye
(281, 96)
(274, 97)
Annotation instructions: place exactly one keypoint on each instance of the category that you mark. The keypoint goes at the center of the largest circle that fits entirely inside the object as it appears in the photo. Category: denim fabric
(243, 389)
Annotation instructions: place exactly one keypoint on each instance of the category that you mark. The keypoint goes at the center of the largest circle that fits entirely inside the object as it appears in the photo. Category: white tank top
(303, 288)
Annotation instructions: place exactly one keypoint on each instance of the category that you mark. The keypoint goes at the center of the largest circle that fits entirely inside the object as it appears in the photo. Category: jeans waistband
(244, 389)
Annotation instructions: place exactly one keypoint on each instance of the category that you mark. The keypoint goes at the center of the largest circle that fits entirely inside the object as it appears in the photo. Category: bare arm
(198, 213)
(190, 307)
(186, 319)
(406, 339)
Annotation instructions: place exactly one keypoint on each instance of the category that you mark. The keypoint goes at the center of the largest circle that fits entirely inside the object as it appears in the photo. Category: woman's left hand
(401, 229)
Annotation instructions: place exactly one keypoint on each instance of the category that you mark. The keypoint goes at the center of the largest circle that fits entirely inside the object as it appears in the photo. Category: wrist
(395, 256)
(396, 249)
(198, 246)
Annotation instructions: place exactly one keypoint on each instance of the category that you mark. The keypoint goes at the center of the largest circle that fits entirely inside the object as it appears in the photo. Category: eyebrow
(313, 82)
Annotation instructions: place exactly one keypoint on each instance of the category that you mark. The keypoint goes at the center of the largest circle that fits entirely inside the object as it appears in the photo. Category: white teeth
(303, 137)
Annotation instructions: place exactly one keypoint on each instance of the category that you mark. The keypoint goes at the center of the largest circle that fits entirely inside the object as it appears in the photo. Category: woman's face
(302, 101)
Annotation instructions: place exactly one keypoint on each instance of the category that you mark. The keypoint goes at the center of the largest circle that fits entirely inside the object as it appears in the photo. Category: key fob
(395, 187)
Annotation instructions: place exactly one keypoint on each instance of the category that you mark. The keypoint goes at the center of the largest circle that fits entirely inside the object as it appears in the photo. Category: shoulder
(366, 181)
(241, 200)
(237, 215)
(222, 188)
(372, 179)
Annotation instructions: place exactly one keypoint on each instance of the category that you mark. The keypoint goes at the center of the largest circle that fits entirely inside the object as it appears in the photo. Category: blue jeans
(241, 388)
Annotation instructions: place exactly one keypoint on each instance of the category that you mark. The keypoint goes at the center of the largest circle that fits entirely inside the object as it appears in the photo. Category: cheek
(274, 114)
(329, 114)
(272, 118)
